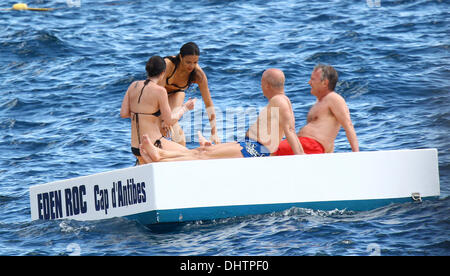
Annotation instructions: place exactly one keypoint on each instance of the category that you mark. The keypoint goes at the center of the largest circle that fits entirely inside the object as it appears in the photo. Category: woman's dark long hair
(188, 49)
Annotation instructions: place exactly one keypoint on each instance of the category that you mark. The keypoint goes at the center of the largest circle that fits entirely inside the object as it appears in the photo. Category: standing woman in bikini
(182, 71)
(147, 104)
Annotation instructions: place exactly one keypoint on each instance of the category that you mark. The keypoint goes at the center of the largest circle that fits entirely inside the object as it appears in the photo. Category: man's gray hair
(328, 73)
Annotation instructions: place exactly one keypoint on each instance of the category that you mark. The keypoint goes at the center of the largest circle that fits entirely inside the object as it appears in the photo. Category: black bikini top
(176, 61)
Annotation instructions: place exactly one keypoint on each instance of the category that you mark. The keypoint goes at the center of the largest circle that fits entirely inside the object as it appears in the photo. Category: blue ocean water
(63, 75)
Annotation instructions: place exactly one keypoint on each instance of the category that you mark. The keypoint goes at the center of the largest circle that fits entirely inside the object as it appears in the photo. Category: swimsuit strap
(175, 61)
(157, 113)
(142, 90)
(136, 114)
(136, 117)
(175, 91)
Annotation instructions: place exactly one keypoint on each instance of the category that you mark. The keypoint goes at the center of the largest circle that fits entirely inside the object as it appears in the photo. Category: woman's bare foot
(202, 140)
(148, 151)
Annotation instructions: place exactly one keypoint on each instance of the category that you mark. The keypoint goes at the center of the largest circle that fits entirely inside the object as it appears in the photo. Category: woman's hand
(190, 104)
(215, 138)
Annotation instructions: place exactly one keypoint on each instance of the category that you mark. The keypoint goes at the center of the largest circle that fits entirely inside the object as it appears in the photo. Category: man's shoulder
(280, 100)
(333, 97)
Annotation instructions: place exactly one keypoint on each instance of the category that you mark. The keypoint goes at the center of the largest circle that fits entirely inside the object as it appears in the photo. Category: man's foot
(202, 140)
(148, 151)
(144, 155)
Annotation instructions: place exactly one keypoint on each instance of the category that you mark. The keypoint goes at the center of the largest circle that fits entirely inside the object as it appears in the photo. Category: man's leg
(224, 150)
(150, 153)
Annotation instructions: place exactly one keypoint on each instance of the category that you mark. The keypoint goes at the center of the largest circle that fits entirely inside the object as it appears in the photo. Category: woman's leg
(202, 140)
(176, 100)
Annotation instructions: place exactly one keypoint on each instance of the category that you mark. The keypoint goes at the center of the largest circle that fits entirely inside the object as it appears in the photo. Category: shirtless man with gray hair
(325, 117)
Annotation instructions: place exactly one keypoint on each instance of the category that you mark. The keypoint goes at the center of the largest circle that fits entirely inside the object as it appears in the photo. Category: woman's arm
(206, 95)
(167, 115)
(125, 109)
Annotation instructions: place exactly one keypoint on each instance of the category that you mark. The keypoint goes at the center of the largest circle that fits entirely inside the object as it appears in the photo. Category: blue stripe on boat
(219, 212)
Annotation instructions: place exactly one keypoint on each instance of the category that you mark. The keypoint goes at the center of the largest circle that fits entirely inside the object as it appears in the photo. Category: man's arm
(340, 110)
(287, 122)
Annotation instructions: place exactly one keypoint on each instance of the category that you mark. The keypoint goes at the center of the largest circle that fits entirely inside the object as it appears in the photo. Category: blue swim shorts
(252, 148)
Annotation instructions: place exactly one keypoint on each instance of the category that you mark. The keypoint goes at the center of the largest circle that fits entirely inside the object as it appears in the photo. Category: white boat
(212, 189)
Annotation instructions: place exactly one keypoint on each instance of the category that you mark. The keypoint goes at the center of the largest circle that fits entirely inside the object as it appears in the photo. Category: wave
(328, 57)
(327, 17)
(36, 43)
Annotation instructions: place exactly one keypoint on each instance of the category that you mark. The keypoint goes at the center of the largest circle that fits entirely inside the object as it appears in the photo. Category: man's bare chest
(318, 110)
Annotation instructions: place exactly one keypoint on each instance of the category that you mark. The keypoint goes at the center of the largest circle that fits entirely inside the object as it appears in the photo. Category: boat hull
(213, 189)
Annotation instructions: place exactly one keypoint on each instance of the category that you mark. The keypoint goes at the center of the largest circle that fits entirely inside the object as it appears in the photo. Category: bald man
(263, 137)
